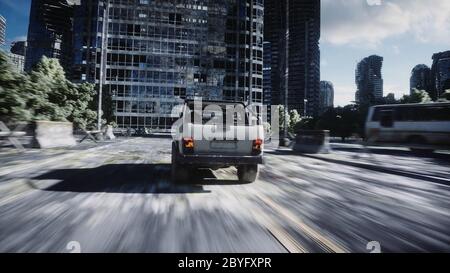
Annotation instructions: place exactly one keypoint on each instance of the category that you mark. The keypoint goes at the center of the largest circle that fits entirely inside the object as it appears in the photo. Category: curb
(414, 175)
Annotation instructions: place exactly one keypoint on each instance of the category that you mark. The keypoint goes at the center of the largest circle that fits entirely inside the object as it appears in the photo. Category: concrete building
(293, 29)
(369, 80)
(326, 96)
(440, 73)
(19, 48)
(17, 61)
(421, 79)
(2, 30)
(151, 54)
(17, 55)
(50, 32)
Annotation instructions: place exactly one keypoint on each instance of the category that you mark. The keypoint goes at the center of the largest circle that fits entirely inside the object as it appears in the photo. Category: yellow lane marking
(284, 237)
(325, 243)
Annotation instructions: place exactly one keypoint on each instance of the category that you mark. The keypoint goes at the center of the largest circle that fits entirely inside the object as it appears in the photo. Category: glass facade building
(267, 78)
(149, 55)
(293, 29)
(421, 79)
(326, 96)
(440, 72)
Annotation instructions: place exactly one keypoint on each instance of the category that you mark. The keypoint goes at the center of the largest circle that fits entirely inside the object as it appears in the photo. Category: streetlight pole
(305, 101)
(102, 64)
(307, 67)
(286, 74)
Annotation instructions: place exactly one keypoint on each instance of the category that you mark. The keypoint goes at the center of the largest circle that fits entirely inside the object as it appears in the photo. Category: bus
(420, 127)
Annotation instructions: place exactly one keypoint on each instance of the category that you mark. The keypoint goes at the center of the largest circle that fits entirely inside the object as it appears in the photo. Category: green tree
(283, 118)
(342, 122)
(82, 114)
(293, 119)
(57, 99)
(417, 96)
(44, 94)
(446, 95)
(12, 101)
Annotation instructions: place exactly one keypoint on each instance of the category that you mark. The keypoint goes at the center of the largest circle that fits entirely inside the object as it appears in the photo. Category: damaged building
(149, 55)
(50, 32)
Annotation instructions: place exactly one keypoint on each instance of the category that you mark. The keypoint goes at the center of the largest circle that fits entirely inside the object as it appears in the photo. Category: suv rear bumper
(211, 160)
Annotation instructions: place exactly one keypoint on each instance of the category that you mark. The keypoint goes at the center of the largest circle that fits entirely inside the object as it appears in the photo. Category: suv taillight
(188, 145)
(257, 146)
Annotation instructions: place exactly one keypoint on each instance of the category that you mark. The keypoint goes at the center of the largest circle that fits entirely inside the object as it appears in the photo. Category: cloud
(373, 2)
(19, 38)
(16, 7)
(369, 22)
(396, 49)
(344, 94)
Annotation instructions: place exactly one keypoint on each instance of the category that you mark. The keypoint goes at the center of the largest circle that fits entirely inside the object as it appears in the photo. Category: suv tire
(179, 172)
(247, 173)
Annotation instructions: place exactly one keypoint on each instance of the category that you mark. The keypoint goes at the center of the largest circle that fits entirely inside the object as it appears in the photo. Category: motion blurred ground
(118, 197)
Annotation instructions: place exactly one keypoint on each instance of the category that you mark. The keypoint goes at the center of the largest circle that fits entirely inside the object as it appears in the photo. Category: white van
(423, 126)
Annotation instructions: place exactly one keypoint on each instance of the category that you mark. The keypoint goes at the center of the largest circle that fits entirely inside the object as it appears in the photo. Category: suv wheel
(179, 172)
(247, 173)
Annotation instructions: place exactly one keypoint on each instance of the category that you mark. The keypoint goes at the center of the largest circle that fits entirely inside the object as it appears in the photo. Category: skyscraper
(440, 73)
(326, 96)
(293, 29)
(369, 80)
(151, 54)
(267, 78)
(50, 32)
(421, 79)
(2, 30)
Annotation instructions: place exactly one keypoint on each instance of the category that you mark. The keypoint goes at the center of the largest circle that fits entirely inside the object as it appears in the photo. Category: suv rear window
(209, 116)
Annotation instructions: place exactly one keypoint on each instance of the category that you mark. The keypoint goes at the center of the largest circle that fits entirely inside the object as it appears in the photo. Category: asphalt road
(119, 198)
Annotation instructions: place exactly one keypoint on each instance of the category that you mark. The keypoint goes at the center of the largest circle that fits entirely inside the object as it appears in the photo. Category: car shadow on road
(207, 177)
(128, 178)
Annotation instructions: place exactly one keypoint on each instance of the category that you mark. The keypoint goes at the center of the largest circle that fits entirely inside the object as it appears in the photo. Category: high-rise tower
(148, 55)
(293, 29)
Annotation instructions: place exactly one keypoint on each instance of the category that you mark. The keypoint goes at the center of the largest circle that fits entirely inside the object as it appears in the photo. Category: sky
(404, 32)
(16, 13)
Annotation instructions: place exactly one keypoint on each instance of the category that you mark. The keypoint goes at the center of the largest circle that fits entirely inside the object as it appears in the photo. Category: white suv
(217, 135)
